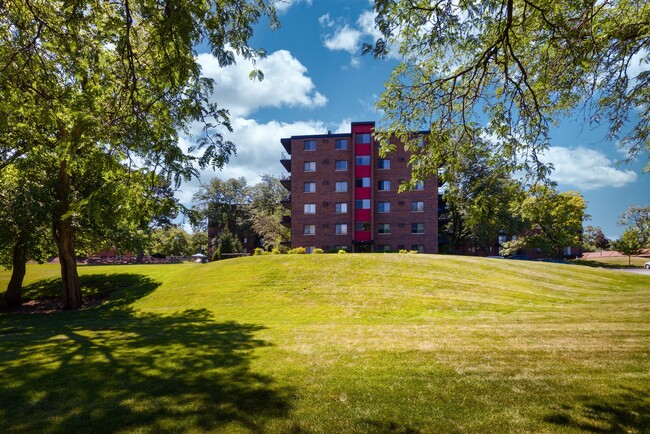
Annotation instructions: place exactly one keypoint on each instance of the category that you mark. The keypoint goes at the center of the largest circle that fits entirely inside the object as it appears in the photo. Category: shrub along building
(344, 195)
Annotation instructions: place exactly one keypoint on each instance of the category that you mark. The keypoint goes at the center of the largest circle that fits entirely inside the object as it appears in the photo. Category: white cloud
(325, 20)
(345, 38)
(258, 151)
(366, 23)
(285, 84)
(586, 169)
(283, 5)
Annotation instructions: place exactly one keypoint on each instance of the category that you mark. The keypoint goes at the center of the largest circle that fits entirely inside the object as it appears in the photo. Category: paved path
(636, 271)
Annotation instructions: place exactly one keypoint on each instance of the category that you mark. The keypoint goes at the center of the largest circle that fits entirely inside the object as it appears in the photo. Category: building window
(310, 145)
(362, 204)
(502, 239)
(418, 247)
(417, 228)
(383, 207)
(341, 144)
(341, 165)
(419, 185)
(362, 182)
(309, 229)
(362, 226)
(310, 208)
(383, 248)
(383, 163)
(362, 138)
(341, 229)
(417, 206)
(310, 166)
(310, 187)
(341, 208)
(421, 142)
(340, 248)
(384, 185)
(383, 228)
(341, 186)
(310, 249)
(362, 160)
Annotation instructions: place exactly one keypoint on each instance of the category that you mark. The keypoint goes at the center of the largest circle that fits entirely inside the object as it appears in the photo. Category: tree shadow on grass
(111, 369)
(626, 412)
(123, 288)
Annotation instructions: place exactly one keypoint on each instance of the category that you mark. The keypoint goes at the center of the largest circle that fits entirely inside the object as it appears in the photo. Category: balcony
(287, 145)
(285, 180)
(286, 201)
(286, 161)
(286, 221)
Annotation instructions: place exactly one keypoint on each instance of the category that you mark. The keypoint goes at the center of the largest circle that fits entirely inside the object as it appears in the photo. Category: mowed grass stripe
(335, 343)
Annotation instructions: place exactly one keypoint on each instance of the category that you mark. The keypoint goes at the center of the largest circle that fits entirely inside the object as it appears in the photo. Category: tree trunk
(64, 237)
(13, 296)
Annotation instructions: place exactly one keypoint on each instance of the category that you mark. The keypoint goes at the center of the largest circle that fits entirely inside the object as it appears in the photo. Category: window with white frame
(383, 163)
(341, 229)
(383, 228)
(362, 182)
(419, 185)
(418, 247)
(362, 160)
(417, 206)
(310, 166)
(309, 187)
(341, 208)
(383, 248)
(341, 144)
(309, 229)
(310, 249)
(417, 228)
(309, 145)
(362, 138)
(341, 186)
(341, 165)
(362, 226)
(362, 204)
(383, 207)
(310, 208)
(384, 186)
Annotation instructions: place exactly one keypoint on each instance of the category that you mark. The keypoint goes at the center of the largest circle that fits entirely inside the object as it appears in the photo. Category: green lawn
(614, 262)
(334, 343)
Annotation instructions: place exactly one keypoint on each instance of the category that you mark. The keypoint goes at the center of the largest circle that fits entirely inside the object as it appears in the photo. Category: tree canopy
(508, 70)
(638, 218)
(87, 82)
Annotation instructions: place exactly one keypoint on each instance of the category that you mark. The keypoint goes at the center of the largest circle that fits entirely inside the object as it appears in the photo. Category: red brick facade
(375, 219)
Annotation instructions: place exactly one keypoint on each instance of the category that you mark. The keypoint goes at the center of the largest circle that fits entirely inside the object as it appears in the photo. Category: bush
(318, 251)
(297, 251)
(342, 252)
(276, 251)
(258, 251)
(403, 251)
(413, 252)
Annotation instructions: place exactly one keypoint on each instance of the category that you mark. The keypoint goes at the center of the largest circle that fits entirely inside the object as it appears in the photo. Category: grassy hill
(333, 343)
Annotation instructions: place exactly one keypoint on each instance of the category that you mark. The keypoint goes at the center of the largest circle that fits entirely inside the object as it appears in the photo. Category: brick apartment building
(343, 195)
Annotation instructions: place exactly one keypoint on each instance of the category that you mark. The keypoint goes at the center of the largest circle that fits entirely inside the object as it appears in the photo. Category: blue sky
(316, 80)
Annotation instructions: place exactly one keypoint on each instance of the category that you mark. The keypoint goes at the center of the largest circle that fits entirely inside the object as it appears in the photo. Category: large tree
(554, 221)
(82, 77)
(223, 204)
(638, 218)
(267, 213)
(509, 70)
(24, 224)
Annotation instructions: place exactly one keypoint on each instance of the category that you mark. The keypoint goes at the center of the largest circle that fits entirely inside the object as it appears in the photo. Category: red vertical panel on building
(362, 149)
